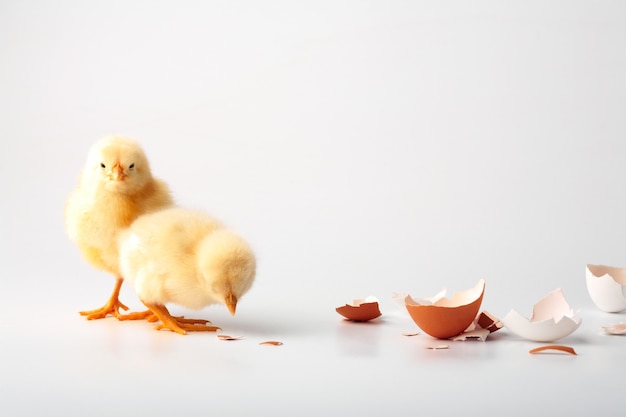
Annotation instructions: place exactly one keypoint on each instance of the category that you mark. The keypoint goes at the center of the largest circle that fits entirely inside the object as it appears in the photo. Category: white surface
(362, 148)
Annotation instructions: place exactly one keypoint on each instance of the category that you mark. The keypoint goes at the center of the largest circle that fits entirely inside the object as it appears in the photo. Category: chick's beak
(117, 172)
(231, 303)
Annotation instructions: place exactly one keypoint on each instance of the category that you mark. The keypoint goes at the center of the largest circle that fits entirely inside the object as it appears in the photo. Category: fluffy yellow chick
(116, 186)
(185, 257)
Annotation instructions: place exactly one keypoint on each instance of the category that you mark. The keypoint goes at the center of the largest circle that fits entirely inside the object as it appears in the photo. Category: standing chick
(116, 187)
(188, 258)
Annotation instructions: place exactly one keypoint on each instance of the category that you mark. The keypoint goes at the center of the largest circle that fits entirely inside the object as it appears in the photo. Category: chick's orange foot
(112, 307)
(183, 320)
(182, 327)
(149, 316)
(179, 325)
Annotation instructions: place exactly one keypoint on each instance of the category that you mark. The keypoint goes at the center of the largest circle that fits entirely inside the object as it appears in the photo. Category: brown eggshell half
(447, 318)
(361, 312)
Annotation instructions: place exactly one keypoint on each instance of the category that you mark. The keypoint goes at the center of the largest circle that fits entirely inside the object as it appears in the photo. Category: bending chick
(188, 258)
(116, 187)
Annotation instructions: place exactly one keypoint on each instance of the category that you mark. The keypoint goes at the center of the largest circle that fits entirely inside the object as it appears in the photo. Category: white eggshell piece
(552, 319)
(607, 287)
(540, 331)
(552, 306)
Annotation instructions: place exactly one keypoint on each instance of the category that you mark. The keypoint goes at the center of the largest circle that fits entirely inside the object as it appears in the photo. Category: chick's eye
(131, 166)
(102, 165)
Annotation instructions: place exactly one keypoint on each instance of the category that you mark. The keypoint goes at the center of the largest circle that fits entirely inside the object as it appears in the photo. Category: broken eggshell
(486, 320)
(444, 318)
(616, 329)
(482, 326)
(552, 319)
(360, 310)
(477, 334)
(607, 287)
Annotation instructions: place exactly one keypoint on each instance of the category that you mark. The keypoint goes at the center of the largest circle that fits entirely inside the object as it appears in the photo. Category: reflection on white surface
(325, 363)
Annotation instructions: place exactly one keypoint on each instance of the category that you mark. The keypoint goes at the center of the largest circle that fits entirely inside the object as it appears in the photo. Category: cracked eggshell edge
(541, 331)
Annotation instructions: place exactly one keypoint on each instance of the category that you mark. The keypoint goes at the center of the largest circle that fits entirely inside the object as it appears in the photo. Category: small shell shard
(616, 329)
(488, 321)
(478, 334)
(271, 342)
(227, 337)
(559, 348)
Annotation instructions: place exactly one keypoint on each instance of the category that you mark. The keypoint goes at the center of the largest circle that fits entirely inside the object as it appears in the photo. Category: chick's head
(117, 164)
(227, 265)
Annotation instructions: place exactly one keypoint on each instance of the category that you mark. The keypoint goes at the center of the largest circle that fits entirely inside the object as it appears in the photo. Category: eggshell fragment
(488, 321)
(478, 334)
(444, 318)
(360, 310)
(227, 337)
(438, 347)
(616, 329)
(607, 287)
(271, 342)
(482, 326)
(552, 319)
(559, 348)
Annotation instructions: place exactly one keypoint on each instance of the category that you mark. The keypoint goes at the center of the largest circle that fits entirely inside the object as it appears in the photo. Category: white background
(363, 148)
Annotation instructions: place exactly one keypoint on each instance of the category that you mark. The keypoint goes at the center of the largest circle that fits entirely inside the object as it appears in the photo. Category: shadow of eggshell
(360, 311)
(446, 318)
(607, 287)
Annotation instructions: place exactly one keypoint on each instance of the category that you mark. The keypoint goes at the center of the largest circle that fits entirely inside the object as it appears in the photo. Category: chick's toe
(150, 317)
(179, 325)
(112, 306)
(139, 315)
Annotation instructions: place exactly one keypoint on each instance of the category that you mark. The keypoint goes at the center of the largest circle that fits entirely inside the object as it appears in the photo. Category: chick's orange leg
(183, 320)
(140, 315)
(149, 316)
(112, 306)
(177, 324)
(193, 327)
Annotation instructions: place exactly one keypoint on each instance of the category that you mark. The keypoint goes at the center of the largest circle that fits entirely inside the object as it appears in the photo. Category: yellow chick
(116, 186)
(185, 257)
